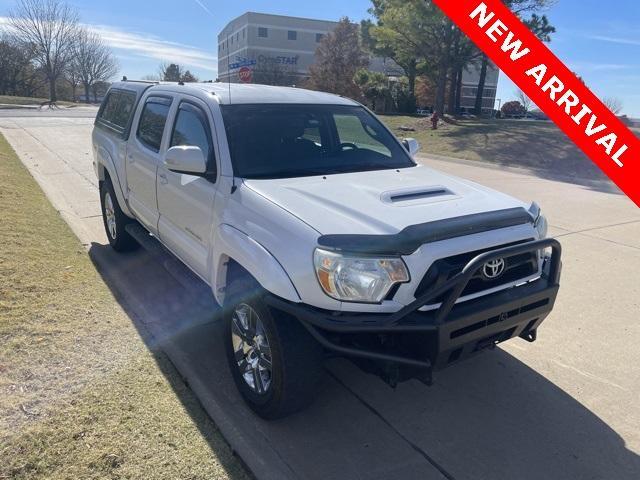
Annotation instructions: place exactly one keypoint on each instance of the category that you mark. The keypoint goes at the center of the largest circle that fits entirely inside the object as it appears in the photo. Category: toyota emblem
(493, 268)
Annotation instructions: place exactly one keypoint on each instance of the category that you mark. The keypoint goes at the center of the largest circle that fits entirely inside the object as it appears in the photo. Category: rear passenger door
(144, 155)
(186, 201)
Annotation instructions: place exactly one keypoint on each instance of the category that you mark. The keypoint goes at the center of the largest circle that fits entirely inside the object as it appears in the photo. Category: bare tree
(48, 28)
(613, 104)
(171, 72)
(524, 100)
(73, 79)
(92, 60)
(17, 73)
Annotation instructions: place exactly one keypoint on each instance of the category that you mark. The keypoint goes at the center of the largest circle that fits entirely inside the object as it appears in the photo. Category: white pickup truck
(318, 233)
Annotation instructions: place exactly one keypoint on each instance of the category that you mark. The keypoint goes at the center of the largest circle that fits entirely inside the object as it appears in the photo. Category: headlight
(358, 279)
(540, 221)
(542, 227)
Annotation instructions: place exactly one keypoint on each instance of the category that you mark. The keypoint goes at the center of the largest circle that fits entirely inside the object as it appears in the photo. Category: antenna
(228, 67)
(233, 178)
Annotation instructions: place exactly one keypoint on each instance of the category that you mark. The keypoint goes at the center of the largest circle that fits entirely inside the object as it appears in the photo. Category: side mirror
(412, 145)
(186, 159)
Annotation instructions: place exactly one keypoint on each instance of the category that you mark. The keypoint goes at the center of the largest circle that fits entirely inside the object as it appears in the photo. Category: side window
(116, 110)
(192, 129)
(152, 122)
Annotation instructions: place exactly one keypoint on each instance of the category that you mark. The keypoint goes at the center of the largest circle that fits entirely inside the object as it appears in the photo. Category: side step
(179, 271)
(146, 240)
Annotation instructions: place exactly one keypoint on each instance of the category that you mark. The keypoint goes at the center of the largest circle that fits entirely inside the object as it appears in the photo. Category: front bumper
(452, 332)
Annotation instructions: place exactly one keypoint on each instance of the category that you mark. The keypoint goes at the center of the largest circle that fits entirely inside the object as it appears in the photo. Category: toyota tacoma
(318, 233)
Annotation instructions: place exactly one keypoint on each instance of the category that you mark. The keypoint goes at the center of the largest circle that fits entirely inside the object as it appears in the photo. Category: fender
(231, 243)
(104, 161)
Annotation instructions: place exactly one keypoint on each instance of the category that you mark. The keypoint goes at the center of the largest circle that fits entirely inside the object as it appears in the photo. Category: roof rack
(153, 82)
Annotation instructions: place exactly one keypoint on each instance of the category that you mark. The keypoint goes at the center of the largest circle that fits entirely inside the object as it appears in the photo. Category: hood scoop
(418, 195)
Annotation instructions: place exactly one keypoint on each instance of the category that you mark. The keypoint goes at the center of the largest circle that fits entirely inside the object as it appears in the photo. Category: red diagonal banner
(552, 86)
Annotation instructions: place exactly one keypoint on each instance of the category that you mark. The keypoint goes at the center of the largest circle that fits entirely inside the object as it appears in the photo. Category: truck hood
(379, 202)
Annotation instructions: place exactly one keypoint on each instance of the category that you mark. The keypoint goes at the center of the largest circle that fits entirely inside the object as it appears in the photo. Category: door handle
(163, 179)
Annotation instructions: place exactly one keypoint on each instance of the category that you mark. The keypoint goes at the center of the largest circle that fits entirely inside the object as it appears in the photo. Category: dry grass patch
(81, 395)
(529, 144)
(11, 100)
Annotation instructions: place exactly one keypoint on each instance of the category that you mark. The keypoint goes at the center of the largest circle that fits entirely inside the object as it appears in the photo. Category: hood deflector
(412, 237)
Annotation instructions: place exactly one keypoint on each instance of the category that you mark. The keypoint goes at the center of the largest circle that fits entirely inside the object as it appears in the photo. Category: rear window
(116, 110)
(152, 122)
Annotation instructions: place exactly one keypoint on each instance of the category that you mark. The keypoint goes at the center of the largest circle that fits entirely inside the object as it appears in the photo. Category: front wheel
(275, 363)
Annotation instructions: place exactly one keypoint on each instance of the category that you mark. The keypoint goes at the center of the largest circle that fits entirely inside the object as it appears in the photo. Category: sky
(598, 40)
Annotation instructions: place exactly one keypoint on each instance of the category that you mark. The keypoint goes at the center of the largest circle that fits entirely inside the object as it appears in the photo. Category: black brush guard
(461, 329)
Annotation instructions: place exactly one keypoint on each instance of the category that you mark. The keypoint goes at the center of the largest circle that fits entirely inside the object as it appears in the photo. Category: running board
(146, 239)
(168, 260)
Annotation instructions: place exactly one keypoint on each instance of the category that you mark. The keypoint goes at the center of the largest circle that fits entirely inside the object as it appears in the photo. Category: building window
(292, 35)
(237, 37)
(319, 37)
(244, 32)
(263, 32)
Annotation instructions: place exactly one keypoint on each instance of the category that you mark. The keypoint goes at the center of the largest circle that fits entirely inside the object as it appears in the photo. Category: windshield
(281, 141)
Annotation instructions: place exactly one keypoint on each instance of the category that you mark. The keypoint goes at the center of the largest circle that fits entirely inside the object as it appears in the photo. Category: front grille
(516, 268)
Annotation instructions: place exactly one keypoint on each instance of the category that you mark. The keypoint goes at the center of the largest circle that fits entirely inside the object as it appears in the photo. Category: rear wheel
(275, 363)
(115, 220)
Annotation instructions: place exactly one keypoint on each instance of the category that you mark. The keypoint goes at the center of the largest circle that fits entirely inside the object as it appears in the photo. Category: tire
(115, 220)
(279, 342)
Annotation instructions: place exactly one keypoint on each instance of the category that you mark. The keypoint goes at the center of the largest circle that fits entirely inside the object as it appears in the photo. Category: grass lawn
(81, 395)
(10, 100)
(529, 144)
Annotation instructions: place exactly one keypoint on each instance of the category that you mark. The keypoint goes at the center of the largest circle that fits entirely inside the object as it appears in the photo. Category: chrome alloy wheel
(110, 215)
(251, 348)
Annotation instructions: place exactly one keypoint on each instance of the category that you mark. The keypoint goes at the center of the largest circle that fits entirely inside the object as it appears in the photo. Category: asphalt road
(564, 407)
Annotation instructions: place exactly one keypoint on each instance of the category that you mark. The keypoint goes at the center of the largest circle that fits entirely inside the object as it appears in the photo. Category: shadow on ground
(537, 146)
(489, 418)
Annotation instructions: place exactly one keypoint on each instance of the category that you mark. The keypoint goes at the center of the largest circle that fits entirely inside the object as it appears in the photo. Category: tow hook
(530, 335)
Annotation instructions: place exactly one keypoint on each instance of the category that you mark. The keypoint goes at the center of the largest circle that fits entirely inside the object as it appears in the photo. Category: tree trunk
(481, 82)
(53, 96)
(411, 75)
(454, 72)
(453, 83)
(87, 93)
(459, 90)
(441, 89)
(443, 68)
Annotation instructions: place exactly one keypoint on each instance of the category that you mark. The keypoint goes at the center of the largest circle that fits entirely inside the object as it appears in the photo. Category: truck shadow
(490, 418)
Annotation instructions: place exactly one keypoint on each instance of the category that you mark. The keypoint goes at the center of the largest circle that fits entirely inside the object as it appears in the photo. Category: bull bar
(460, 329)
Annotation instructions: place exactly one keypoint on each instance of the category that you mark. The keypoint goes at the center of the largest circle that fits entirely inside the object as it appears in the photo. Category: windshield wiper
(288, 174)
